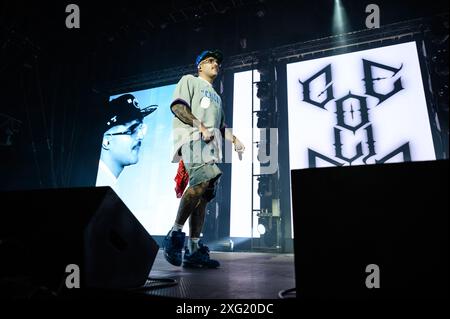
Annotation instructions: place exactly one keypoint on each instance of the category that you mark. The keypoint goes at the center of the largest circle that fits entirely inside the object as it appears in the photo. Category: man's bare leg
(174, 241)
(197, 219)
(196, 222)
(197, 254)
(190, 201)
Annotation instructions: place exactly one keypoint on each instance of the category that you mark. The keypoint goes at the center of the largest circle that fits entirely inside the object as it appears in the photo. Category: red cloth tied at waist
(181, 179)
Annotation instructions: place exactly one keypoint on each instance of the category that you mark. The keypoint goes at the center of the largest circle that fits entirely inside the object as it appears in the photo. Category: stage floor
(242, 275)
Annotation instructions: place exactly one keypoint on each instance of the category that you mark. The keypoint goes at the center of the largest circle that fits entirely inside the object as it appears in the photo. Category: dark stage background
(53, 79)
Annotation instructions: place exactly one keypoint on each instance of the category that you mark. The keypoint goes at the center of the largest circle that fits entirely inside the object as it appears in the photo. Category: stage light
(263, 90)
(340, 22)
(264, 67)
(268, 228)
(263, 119)
(223, 244)
(264, 186)
(261, 229)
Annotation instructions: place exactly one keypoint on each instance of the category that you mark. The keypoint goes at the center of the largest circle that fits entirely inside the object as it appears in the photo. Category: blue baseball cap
(209, 53)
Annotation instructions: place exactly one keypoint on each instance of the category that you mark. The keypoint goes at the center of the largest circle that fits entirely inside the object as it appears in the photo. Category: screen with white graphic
(364, 107)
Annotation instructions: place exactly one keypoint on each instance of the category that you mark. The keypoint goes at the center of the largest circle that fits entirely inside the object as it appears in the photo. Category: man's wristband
(234, 139)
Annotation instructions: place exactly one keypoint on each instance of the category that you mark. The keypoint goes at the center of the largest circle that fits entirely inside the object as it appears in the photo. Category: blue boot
(200, 258)
(172, 245)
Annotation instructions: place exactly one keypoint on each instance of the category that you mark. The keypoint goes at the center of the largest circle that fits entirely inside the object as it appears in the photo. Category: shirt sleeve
(183, 92)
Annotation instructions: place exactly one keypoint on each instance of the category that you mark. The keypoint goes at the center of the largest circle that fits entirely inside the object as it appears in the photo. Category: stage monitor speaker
(372, 231)
(44, 231)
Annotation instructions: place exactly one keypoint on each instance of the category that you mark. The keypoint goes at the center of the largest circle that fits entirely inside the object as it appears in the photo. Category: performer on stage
(198, 127)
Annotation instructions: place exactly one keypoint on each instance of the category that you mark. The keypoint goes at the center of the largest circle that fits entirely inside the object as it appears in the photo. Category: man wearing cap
(198, 126)
(124, 131)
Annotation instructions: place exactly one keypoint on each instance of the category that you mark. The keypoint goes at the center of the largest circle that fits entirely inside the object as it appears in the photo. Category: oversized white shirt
(105, 177)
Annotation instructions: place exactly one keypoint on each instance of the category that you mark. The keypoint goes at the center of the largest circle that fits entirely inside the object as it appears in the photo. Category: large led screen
(364, 107)
(147, 186)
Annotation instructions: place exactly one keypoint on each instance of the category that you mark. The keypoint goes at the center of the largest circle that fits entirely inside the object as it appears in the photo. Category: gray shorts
(198, 158)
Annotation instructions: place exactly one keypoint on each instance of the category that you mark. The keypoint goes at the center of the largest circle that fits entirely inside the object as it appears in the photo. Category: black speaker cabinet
(394, 216)
(44, 231)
